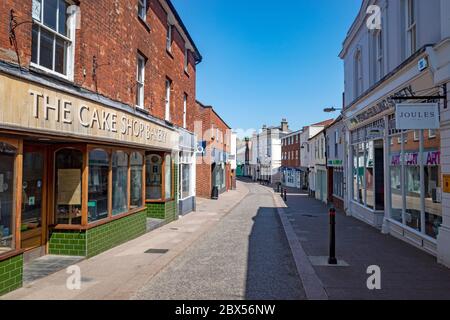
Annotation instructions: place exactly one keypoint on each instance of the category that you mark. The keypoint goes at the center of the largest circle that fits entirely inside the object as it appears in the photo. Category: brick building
(94, 96)
(290, 159)
(213, 167)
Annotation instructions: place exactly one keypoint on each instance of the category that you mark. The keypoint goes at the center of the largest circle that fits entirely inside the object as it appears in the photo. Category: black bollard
(285, 195)
(332, 258)
(278, 188)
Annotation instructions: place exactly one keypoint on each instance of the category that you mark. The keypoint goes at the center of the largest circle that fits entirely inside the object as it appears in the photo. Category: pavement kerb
(312, 285)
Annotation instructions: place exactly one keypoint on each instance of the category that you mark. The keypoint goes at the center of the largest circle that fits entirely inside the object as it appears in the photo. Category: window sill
(11, 254)
(50, 73)
(169, 52)
(144, 23)
(187, 73)
(97, 223)
(159, 201)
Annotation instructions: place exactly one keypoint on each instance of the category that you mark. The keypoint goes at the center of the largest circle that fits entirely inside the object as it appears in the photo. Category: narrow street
(246, 256)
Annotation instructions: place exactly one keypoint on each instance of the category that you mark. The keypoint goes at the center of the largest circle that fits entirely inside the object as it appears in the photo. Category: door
(33, 228)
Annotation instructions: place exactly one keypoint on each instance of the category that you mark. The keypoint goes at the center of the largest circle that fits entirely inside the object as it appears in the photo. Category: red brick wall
(291, 148)
(209, 119)
(112, 31)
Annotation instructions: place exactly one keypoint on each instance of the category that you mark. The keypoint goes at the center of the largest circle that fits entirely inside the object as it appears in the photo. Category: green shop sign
(335, 163)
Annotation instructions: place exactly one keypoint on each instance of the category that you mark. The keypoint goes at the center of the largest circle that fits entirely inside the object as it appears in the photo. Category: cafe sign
(28, 107)
(417, 116)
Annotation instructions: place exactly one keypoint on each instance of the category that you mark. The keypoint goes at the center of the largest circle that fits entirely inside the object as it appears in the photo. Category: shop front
(395, 178)
(78, 176)
(187, 172)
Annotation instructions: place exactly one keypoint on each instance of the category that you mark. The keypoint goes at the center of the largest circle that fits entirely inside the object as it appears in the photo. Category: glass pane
(136, 180)
(412, 181)
(120, 180)
(153, 177)
(355, 173)
(62, 18)
(396, 182)
(60, 56)
(46, 50)
(370, 182)
(7, 157)
(98, 185)
(168, 177)
(68, 196)
(361, 183)
(35, 43)
(33, 173)
(185, 183)
(50, 9)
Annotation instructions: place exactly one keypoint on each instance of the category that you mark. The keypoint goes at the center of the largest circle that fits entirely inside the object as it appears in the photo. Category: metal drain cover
(308, 216)
(158, 251)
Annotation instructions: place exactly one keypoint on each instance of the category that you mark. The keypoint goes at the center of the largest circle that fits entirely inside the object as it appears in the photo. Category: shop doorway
(34, 199)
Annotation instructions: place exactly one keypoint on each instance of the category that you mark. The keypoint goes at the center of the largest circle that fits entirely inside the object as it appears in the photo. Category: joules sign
(30, 107)
(416, 116)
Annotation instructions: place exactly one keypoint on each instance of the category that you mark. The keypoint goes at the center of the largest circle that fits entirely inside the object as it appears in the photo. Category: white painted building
(265, 159)
(318, 166)
(395, 178)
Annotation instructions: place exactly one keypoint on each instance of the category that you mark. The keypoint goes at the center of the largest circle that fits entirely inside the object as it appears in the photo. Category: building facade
(90, 124)
(318, 166)
(396, 177)
(290, 160)
(213, 163)
(266, 153)
(336, 155)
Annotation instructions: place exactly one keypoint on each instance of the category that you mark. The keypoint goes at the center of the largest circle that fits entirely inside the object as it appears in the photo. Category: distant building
(290, 160)
(266, 153)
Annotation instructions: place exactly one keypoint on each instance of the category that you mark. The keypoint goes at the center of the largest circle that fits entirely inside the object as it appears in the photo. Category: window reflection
(119, 181)
(98, 185)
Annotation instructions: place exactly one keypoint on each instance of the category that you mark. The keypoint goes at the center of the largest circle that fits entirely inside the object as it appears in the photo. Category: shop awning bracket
(438, 97)
(13, 25)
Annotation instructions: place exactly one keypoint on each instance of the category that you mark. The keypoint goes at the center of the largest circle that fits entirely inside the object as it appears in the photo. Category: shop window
(119, 182)
(153, 177)
(136, 178)
(7, 176)
(433, 207)
(168, 176)
(396, 182)
(98, 185)
(186, 175)
(52, 36)
(68, 180)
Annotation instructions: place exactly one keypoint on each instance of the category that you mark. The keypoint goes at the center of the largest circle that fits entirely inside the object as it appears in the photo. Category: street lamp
(331, 109)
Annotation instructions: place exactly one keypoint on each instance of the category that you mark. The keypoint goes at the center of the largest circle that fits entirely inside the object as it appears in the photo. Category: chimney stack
(284, 125)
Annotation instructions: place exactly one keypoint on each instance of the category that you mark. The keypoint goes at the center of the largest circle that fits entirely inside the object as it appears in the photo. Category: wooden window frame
(163, 198)
(85, 192)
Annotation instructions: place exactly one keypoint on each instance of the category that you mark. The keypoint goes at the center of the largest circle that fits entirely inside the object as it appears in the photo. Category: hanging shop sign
(30, 107)
(416, 116)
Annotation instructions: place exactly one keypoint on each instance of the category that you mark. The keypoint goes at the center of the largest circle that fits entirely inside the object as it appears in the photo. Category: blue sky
(266, 60)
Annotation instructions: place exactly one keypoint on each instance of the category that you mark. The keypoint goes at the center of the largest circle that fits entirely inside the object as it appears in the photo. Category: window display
(119, 182)
(153, 178)
(7, 172)
(98, 185)
(168, 176)
(68, 196)
(136, 172)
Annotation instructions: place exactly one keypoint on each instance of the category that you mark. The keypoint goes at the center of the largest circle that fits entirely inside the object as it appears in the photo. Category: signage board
(417, 116)
(32, 107)
(446, 183)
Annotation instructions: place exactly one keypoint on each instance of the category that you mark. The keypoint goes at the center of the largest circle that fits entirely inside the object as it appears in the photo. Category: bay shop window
(111, 184)
(416, 184)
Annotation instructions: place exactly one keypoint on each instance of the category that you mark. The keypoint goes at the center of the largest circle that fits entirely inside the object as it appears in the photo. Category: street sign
(416, 116)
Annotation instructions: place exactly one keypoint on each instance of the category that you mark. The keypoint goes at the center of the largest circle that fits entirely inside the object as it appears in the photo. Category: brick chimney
(284, 125)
